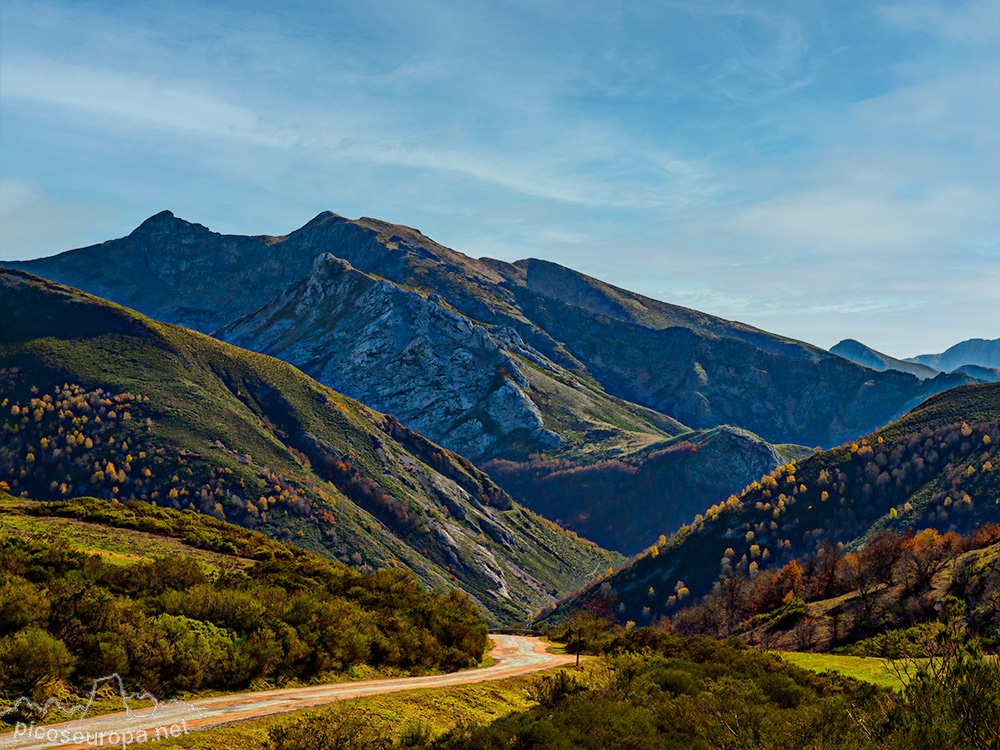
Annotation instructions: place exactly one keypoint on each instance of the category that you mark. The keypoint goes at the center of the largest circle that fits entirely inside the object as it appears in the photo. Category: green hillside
(937, 467)
(99, 400)
(224, 609)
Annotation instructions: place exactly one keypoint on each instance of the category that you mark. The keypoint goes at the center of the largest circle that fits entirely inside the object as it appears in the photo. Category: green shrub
(31, 660)
(676, 681)
(339, 726)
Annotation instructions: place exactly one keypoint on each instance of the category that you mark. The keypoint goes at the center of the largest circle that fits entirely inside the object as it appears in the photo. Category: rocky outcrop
(732, 458)
(441, 374)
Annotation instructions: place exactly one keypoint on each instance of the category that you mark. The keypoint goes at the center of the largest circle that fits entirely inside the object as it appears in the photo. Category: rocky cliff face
(731, 452)
(440, 373)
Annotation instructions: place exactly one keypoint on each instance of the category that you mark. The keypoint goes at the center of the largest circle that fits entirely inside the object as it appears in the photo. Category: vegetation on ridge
(937, 467)
(100, 400)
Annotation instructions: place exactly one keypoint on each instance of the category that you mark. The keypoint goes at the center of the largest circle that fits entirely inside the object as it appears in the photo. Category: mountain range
(527, 362)
(678, 362)
(977, 358)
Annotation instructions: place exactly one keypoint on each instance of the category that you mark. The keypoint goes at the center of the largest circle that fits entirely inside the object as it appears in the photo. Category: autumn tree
(925, 556)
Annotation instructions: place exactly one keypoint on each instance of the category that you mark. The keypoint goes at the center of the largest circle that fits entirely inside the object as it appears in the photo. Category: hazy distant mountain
(986, 374)
(864, 355)
(611, 346)
(982, 352)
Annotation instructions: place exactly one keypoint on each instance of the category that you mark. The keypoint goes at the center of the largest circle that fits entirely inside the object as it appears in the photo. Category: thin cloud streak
(798, 166)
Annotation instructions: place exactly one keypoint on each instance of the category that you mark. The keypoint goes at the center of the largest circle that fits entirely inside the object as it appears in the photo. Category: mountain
(342, 326)
(447, 375)
(982, 352)
(985, 374)
(936, 467)
(697, 369)
(100, 400)
(478, 390)
(857, 352)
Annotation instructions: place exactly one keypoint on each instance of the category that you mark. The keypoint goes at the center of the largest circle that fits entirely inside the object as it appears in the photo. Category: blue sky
(823, 170)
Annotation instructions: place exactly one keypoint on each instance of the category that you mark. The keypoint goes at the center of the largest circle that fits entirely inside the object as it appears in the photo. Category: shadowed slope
(101, 400)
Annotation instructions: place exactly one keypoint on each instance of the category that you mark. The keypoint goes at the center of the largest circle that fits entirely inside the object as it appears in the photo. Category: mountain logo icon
(80, 712)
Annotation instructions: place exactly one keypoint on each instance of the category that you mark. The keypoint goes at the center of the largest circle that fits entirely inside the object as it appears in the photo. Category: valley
(500, 376)
(388, 446)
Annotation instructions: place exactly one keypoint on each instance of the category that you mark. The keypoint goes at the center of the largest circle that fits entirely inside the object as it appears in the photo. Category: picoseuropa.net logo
(115, 731)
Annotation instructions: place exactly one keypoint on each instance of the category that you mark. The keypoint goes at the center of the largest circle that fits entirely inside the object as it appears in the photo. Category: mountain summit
(855, 351)
(980, 352)
(627, 351)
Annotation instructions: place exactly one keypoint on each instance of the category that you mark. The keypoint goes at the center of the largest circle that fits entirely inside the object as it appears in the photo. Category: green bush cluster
(660, 691)
(165, 626)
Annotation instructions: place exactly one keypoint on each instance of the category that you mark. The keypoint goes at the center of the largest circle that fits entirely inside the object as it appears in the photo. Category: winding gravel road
(513, 655)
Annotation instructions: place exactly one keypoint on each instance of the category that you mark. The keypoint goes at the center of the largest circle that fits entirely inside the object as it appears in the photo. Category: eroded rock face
(441, 374)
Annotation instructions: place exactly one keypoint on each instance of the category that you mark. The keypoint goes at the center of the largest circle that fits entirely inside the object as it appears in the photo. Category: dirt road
(513, 655)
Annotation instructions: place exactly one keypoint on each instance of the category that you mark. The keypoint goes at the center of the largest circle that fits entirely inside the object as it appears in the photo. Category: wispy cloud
(168, 104)
(971, 21)
(34, 224)
(810, 169)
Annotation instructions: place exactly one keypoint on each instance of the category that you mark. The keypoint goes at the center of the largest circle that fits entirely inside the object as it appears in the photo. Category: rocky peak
(322, 218)
(165, 223)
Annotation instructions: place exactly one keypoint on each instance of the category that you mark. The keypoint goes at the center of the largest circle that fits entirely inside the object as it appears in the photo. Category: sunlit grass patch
(866, 669)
